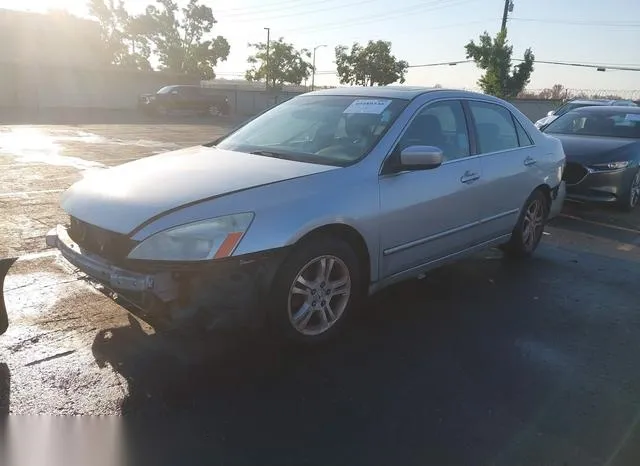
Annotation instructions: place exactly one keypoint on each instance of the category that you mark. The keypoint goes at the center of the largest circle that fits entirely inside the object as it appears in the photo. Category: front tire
(528, 231)
(632, 198)
(315, 290)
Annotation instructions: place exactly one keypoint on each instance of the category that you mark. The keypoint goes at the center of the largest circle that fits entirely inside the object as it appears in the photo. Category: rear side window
(523, 137)
(494, 127)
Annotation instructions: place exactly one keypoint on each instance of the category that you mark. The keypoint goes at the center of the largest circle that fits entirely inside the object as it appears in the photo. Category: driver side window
(442, 125)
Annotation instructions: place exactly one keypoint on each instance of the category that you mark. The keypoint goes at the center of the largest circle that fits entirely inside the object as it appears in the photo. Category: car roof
(388, 92)
(606, 109)
(180, 85)
(597, 101)
(589, 101)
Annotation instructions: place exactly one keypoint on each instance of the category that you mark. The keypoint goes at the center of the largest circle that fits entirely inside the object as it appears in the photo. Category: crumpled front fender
(5, 265)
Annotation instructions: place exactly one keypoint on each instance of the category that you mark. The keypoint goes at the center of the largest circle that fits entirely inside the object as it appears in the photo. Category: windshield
(618, 124)
(330, 130)
(166, 90)
(572, 106)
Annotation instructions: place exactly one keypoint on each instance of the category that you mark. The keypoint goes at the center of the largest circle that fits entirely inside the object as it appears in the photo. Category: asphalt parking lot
(484, 362)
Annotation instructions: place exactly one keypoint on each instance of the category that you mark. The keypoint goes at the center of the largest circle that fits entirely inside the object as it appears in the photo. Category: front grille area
(112, 246)
(574, 173)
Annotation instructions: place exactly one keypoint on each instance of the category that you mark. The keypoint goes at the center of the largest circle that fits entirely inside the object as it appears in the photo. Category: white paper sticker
(632, 117)
(373, 106)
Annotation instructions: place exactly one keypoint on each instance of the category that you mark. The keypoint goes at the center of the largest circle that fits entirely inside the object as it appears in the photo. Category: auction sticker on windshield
(374, 106)
(633, 117)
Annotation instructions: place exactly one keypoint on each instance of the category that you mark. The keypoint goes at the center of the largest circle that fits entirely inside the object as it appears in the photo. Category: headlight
(198, 241)
(611, 165)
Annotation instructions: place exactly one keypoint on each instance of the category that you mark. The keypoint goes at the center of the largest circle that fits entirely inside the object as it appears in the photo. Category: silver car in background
(294, 217)
(579, 103)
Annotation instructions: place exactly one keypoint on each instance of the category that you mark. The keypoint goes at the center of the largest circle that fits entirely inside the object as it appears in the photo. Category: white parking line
(28, 193)
(606, 225)
(39, 255)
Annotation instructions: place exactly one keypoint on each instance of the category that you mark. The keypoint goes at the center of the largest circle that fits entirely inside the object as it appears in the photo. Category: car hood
(590, 149)
(545, 121)
(120, 199)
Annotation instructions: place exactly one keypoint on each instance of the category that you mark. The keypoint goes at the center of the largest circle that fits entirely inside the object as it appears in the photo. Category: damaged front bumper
(216, 294)
(118, 279)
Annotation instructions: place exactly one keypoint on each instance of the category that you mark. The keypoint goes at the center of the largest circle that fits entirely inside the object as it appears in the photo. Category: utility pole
(508, 7)
(313, 68)
(267, 71)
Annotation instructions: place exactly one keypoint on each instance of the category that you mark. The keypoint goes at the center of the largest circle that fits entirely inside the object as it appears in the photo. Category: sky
(429, 31)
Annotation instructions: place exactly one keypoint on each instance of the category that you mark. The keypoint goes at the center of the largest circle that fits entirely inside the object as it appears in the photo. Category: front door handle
(469, 177)
(530, 161)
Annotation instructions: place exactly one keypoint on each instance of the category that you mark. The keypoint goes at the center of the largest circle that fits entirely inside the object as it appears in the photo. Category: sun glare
(72, 6)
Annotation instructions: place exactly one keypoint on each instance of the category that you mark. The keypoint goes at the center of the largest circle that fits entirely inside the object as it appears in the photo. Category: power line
(631, 24)
(547, 62)
(423, 7)
(586, 65)
(302, 13)
(450, 63)
(253, 9)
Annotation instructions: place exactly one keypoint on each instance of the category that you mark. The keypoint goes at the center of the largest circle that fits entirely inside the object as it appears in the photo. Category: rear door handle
(530, 161)
(469, 177)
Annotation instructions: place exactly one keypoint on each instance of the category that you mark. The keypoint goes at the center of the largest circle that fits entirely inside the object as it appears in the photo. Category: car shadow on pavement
(5, 389)
(417, 373)
(454, 369)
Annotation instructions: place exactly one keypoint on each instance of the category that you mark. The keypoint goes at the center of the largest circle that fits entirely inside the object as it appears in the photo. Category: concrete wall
(49, 86)
(535, 109)
(45, 86)
(250, 101)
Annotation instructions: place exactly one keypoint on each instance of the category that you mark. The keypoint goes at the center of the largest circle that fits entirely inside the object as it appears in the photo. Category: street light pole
(267, 70)
(313, 68)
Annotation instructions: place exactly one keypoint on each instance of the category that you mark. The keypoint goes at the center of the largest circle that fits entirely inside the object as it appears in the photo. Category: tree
(494, 56)
(181, 37)
(123, 45)
(284, 64)
(370, 65)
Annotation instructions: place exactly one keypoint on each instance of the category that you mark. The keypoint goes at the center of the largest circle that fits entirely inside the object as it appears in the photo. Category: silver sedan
(296, 216)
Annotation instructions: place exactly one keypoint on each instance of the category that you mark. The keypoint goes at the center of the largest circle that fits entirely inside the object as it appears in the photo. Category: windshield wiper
(269, 153)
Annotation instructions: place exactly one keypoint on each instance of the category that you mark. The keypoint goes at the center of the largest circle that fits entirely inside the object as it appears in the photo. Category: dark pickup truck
(184, 98)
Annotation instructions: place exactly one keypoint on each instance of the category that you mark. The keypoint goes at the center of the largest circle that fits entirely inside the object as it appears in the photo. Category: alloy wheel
(319, 295)
(634, 195)
(533, 224)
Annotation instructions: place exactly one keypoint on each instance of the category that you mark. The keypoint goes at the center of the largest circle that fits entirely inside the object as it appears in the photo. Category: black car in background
(184, 98)
(602, 146)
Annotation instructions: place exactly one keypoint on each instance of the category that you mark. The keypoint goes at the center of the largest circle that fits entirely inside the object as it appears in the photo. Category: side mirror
(551, 113)
(420, 158)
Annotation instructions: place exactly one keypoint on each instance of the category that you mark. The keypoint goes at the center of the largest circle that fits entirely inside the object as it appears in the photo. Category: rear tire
(316, 290)
(528, 231)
